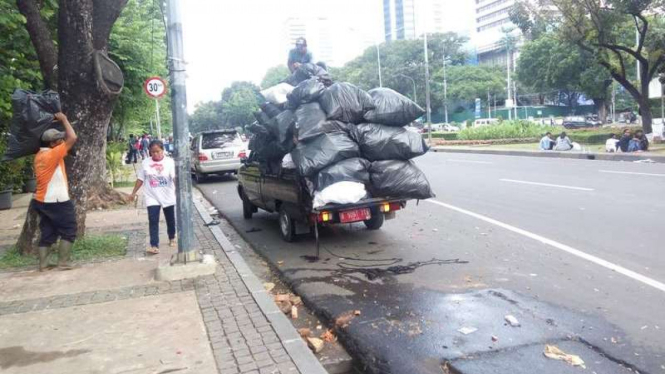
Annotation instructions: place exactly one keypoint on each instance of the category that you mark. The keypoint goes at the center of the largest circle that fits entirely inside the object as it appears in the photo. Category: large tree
(239, 102)
(206, 116)
(275, 75)
(67, 64)
(608, 30)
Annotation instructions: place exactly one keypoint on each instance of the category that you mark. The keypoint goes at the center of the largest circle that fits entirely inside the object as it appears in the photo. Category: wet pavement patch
(19, 356)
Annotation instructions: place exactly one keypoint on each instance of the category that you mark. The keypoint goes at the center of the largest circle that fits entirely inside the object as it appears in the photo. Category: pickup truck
(286, 193)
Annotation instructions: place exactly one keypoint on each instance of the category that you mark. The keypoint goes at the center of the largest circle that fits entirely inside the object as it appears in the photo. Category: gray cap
(52, 135)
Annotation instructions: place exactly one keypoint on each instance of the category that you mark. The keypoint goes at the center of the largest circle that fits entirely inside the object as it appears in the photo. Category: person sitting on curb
(51, 200)
(611, 144)
(547, 143)
(625, 140)
(563, 143)
(639, 142)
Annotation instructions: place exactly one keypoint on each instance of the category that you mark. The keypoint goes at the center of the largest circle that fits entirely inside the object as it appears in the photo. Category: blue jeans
(153, 219)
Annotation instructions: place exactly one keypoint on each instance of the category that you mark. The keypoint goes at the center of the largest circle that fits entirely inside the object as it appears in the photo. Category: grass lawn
(92, 247)
(658, 149)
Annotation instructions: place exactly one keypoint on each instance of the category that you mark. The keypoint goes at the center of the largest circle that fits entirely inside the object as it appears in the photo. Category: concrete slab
(190, 270)
(130, 336)
(33, 284)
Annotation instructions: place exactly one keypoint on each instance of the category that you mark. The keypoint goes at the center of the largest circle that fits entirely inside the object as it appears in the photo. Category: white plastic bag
(287, 162)
(277, 94)
(340, 193)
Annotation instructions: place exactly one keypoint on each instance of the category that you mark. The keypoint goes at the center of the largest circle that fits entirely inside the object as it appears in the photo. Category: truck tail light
(203, 157)
(389, 207)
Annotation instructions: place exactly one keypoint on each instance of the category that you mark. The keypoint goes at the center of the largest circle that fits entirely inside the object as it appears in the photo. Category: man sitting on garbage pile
(51, 201)
(299, 55)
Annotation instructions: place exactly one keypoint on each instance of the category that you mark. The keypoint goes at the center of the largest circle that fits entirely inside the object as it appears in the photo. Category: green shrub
(11, 172)
(444, 135)
(506, 130)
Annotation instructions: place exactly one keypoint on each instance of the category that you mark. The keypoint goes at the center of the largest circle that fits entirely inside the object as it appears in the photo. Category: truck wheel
(286, 226)
(375, 222)
(247, 207)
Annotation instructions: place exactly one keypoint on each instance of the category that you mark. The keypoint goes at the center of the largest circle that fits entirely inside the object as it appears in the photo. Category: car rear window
(216, 140)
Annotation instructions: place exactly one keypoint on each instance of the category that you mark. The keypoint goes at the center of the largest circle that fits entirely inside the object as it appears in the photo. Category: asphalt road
(571, 247)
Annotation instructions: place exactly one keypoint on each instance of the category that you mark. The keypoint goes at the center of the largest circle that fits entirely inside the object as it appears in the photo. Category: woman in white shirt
(157, 174)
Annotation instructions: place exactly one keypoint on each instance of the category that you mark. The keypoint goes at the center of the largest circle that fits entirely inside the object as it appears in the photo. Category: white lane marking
(547, 185)
(631, 172)
(469, 161)
(576, 252)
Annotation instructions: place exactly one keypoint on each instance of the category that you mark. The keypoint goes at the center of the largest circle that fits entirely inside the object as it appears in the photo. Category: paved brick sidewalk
(223, 323)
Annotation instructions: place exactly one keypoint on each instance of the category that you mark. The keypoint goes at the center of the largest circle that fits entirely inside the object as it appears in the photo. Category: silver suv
(216, 152)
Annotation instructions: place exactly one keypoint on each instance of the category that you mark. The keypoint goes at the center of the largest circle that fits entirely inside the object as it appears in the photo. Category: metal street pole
(159, 124)
(427, 96)
(184, 211)
(445, 82)
(489, 105)
(378, 60)
(413, 81)
(509, 96)
(515, 100)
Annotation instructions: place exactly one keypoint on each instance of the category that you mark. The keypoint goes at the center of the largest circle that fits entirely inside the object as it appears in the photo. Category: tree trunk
(601, 105)
(647, 116)
(27, 242)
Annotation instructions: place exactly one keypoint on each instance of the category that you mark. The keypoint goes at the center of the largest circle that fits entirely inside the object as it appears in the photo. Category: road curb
(301, 355)
(553, 154)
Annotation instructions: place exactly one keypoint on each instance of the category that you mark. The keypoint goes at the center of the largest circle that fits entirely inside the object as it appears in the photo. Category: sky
(233, 40)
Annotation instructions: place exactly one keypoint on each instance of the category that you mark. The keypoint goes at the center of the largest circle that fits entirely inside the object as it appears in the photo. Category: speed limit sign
(155, 87)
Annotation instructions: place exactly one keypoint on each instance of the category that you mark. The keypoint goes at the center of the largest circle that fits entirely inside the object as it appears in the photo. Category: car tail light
(242, 154)
(203, 157)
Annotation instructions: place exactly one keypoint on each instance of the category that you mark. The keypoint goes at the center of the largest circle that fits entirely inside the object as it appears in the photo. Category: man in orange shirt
(51, 200)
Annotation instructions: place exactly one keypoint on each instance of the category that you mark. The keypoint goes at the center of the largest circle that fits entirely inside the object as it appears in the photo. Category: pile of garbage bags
(348, 144)
(33, 113)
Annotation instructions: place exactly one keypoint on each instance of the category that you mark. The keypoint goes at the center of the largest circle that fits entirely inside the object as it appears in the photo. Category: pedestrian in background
(157, 176)
(611, 144)
(639, 142)
(132, 150)
(547, 143)
(563, 143)
(625, 140)
(145, 146)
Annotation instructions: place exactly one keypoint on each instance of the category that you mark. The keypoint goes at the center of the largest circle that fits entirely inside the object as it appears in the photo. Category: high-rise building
(491, 19)
(409, 19)
(317, 31)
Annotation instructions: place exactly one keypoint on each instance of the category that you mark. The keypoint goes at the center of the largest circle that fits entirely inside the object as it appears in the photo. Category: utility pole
(159, 124)
(509, 96)
(378, 61)
(515, 100)
(445, 82)
(489, 105)
(427, 96)
(176, 64)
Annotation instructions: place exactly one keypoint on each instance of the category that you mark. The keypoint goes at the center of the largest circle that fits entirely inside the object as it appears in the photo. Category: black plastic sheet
(380, 142)
(33, 114)
(350, 170)
(271, 109)
(392, 108)
(307, 71)
(346, 102)
(399, 179)
(309, 120)
(283, 127)
(322, 151)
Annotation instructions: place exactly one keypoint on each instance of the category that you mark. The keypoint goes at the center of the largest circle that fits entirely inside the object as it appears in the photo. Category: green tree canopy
(275, 75)
(206, 116)
(239, 102)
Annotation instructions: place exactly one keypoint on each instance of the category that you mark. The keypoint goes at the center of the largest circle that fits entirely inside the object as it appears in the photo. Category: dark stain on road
(19, 356)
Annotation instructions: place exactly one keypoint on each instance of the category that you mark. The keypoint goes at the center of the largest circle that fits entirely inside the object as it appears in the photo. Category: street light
(415, 98)
(427, 93)
(445, 81)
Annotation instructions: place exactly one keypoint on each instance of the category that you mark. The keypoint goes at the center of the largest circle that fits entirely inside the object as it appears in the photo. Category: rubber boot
(43, 258)
(64, 255)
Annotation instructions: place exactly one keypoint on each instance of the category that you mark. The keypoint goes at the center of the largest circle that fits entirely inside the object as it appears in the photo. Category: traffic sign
(155, 87)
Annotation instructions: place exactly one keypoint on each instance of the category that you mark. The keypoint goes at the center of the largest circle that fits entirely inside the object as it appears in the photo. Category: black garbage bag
(306, 92)
(33, 114)
(398, 179)
(257, 128)
(306, 71)
(261, 117)
(283, 128)
(346, 102)
(309, 118)
(263, 144)
(322, 151)
(379, 142)
(350, 170)
(271, 109)
(392, 108)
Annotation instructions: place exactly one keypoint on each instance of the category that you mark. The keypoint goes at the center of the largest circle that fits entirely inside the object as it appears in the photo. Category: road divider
(554, 244)
(547, 185)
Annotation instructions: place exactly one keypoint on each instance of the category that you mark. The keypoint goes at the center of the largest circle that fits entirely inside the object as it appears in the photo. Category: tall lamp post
(661, 79)
(378, 62)
(176, 63)
(415, 98)
(427, 93)
(445, 82)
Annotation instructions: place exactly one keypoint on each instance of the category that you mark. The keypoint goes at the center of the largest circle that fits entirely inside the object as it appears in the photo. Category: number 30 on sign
(155, 87)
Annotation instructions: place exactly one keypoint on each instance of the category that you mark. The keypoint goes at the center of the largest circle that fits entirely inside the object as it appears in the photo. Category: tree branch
(41, 38)
(635, 55)
(104, 15)
(656, 65)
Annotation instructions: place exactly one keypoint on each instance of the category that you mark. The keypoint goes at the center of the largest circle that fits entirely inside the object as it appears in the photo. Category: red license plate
(355, 215)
